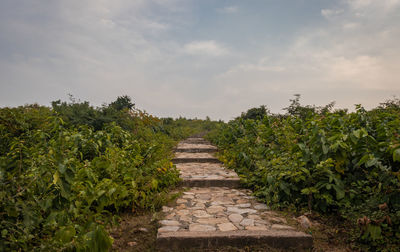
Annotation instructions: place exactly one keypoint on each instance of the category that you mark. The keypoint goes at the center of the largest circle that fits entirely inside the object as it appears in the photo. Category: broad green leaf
(325, 149)
(357, 133)
(154, 183)
(98, 240)
(374, 231)
(65, 234)
(364, 159)
(371, 162)
(396, 155)
(56, 177)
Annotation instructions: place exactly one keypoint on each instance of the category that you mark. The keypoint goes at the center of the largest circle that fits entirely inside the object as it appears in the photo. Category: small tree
(122, 102)
(255, 113)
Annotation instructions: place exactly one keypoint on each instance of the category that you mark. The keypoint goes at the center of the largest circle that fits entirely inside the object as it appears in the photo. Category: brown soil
(135, 233)
(329, 234)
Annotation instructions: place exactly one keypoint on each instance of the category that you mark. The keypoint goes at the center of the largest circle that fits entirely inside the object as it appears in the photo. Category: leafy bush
(67, 171)
(323, 160)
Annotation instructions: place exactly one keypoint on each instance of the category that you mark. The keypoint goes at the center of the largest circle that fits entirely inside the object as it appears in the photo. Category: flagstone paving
(220, 209)
(215, 212)
(190, 147)
(204, 170)
(193, 155)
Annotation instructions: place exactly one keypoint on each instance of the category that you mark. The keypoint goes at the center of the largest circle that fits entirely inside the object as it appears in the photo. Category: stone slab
(218, 205)
(195, 160)
(195, 141)
(193, 155)
(180, 241)
(204, 170)
(196, 150)
(230, 182)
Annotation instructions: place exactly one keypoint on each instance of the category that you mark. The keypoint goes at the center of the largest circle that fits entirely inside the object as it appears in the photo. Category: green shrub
(328, 161)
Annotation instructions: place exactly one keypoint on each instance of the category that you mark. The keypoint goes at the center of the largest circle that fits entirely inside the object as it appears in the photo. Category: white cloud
(385, 5)
(229, 9)
(351, 26)
(350, 59)
(207, 47)
(330, 13)
(262, 66)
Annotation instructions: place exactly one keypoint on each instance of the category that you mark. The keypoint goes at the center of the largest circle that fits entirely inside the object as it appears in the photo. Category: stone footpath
(190, 147)
(216, 212)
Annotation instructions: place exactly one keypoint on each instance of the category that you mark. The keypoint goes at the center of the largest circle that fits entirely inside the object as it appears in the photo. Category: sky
(198, 58)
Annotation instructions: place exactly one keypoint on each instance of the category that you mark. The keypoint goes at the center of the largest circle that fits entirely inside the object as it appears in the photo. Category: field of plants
(332, 162)
(67, 171)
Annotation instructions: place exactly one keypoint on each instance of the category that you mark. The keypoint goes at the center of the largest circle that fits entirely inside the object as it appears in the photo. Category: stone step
(186, 157)
(230, 182)
(207, 175)
(196, 150)
(205, 218)
(195, 160)
(215, 212)
(196, 141)
(205, 240)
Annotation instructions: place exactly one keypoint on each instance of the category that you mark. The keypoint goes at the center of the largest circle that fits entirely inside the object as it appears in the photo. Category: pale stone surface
(193, 155)
(241, 210)
(201, 228)
(212, 220)
(215, 209)
(262, 222)
(242, 201)
(257, 228)
(170, 216)
(227, 227)
(204, 196)
(235, 218)
(281, 227)
(168, 229)
(304, 221)
(183, 212)
(254, 217)
(180, 201)
(261, 207)
(169, 223)
(221, 209)
(204, 171)
(185, 218)
(247, 222)
(183, 145)
(201, 214)
(166, 209)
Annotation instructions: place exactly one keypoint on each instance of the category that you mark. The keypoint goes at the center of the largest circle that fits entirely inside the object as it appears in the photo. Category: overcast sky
(200, 57)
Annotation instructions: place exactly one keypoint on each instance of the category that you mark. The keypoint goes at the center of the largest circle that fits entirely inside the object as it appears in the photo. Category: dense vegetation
(325, 160)
(67, 171)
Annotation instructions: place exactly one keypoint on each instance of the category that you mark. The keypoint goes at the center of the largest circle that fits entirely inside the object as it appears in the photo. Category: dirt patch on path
(135, 232)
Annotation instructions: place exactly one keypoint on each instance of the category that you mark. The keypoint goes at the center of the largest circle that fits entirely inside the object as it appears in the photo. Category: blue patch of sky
(255, 22)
